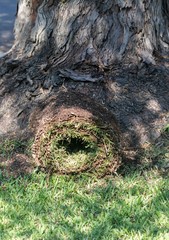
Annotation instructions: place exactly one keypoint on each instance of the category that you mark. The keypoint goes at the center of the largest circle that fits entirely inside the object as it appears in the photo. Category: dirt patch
(16, 165)
(133, 100)
(66, 104)
(137, 97)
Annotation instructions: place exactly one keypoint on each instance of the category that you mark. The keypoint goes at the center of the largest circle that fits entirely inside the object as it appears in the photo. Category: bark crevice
(100, 32)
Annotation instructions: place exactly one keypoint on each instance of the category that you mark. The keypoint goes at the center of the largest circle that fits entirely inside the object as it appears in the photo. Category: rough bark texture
(115, 52)
(97, 32)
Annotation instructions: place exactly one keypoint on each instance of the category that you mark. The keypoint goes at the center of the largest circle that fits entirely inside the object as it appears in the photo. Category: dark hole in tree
(74, 145)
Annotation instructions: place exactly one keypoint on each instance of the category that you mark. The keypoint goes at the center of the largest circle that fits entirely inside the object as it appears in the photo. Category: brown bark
(115, 52)
(96, 32)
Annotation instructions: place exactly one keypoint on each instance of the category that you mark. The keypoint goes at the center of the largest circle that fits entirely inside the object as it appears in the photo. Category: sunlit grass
(133, 205)
(61, 207)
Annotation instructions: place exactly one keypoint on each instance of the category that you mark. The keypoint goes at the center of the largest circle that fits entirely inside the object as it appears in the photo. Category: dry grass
(76, 146)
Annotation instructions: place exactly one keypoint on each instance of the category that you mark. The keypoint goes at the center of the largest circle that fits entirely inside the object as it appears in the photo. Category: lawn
(81, 207)
(133, 204)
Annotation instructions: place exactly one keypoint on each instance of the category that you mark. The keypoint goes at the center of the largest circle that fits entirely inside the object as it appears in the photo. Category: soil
(136, 96)
(16, 165)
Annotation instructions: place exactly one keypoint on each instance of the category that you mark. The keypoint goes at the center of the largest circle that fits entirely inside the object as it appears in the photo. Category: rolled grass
(76, 146)
(74, 134)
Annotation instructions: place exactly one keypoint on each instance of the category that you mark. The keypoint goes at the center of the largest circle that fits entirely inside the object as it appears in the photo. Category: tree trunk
(95, 32)
(115, 52)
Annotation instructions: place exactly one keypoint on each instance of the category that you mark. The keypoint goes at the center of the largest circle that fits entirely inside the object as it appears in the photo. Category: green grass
(10, 146)
(81, 207)
(74, 147)
(133, 205)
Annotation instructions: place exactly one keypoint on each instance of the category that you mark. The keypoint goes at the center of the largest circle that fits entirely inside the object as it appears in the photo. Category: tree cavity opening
(75, 145)
(75, 137)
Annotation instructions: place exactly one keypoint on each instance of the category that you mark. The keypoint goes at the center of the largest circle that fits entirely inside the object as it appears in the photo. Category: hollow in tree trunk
(114, 52)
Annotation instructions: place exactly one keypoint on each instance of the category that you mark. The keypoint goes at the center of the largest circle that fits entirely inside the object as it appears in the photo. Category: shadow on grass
(154, 157)
(81, 207)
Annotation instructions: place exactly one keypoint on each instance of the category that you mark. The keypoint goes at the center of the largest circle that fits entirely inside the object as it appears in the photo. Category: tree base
(74, 135)
(136, 95)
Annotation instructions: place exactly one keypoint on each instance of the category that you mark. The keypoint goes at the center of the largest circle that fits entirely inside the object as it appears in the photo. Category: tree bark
(94, 32)
(114, 52)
